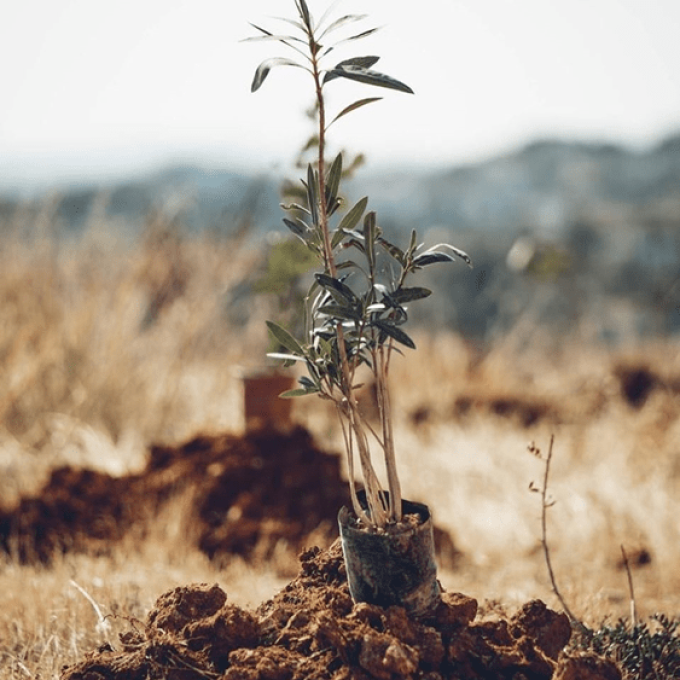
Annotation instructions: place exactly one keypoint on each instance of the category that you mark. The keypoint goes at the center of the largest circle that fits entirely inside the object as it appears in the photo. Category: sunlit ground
(105, 350)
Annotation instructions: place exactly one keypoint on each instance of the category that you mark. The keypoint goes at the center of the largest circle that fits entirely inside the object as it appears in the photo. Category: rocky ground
(312, 630)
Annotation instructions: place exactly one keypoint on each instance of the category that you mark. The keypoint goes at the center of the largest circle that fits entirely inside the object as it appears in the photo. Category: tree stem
(377, 512)
(388, 437)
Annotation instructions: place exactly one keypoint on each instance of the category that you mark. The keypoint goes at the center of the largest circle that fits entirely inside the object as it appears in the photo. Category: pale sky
(92, 87)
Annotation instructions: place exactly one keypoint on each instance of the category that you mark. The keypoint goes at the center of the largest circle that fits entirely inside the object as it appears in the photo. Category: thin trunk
(349, 448)
(376, 507)
(388, 438)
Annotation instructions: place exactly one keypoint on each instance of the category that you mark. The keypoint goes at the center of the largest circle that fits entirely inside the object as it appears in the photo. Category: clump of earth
(255, 494)
(312, 630)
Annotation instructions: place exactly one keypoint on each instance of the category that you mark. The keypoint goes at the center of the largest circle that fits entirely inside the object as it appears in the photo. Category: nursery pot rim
(408, 507)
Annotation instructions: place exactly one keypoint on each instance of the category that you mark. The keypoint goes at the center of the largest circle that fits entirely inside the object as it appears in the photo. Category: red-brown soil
(251, 494)
(312, 630)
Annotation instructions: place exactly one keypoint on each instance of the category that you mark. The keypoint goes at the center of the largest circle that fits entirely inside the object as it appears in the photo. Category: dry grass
(106, 347)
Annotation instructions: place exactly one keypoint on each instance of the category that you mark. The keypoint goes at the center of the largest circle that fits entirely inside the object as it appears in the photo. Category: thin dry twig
(631, 591)
(545, 504)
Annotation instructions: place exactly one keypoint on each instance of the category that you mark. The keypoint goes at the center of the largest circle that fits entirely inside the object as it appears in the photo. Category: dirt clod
(550, 631)
(311, 630)
(586, 666)
(258, 493)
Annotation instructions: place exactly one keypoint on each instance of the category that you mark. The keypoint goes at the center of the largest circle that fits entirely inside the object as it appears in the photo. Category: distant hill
(544, 186)
(576, 230)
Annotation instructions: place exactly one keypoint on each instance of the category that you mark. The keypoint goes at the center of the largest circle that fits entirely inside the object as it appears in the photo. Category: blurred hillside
(567, 236)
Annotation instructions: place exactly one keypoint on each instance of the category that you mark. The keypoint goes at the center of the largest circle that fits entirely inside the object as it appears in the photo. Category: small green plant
(644, 650)
(356, 309)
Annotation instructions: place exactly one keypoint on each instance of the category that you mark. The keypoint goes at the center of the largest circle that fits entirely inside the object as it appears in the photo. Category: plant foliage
(645, 651)
(357, 306)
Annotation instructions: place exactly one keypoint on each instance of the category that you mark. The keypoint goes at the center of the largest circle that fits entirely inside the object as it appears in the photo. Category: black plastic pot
(394, 566)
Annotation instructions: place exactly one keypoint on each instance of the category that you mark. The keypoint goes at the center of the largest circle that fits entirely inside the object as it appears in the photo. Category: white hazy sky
(101, 86)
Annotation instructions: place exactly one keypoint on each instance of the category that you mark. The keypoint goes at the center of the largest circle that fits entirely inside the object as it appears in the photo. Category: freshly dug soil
(312, 630)
(253, 493)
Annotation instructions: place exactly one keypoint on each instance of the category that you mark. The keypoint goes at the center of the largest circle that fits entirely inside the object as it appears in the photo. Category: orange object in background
(262, 406)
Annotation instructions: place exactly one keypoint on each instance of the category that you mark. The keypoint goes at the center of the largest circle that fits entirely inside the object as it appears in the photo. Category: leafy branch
(357, 305)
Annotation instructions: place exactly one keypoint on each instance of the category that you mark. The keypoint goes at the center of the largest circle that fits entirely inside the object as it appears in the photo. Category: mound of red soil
(312, 630)
(526, 412)
(254, 492)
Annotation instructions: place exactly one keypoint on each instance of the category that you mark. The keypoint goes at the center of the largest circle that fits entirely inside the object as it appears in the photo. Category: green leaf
(263, 69)
(294, 206)
(333, 181)
(308, 382)
(456, 251)
(394, 332)
(413, 245)
(396, 252)
(358, 36)
(342, 21)
(371, 78)
(340, 312)
(293, 22)
(301, 392)
(432, 255)
(281, 38)
(351, 219)
(312, 193)
(336, 287)
(283, 337)
(369, 238)
(353, 107)
(347, 264)
(361, 62)
(305, 14)
(356, 243)
(409, 294)
(297, 226)
(268, 37)
(333, 206)
(284, 357)
(376, 307)
(338, 235)
(432, 258)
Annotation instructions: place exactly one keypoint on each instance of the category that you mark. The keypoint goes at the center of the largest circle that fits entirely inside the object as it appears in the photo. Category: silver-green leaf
(369, 77)
(265, 67)
(409, 294)
(432, 255)
(351, 219)
(288, 358)
(305, 14)
(333, 180)
(283, 337)
(340, 312)
(359, 62)
(301, 392)
(313, 194)
(342, 21)
(353, 107)
(358, 36)
(369, 238)
(396, 252)
(297, 226)
(339, 290)
(394, 332)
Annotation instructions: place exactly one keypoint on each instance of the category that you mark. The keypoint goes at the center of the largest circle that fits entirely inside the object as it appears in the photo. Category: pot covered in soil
(391, 565)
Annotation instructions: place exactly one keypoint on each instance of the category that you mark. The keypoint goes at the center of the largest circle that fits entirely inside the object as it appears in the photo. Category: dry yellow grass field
(106, 348)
